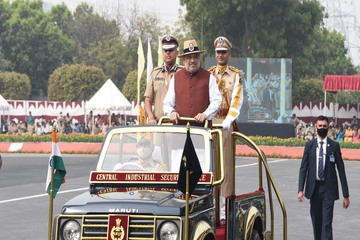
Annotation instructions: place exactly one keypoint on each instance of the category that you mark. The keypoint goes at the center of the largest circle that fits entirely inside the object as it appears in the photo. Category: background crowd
(99, 124)
(347, 132)
(65, 124)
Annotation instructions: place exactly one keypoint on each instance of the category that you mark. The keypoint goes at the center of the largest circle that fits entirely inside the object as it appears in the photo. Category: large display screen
(267, 88)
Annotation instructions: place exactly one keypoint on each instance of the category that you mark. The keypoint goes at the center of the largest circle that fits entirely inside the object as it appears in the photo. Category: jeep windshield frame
(120, 163)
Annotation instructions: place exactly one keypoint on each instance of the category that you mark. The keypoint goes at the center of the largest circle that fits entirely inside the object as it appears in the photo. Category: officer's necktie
(321, 162)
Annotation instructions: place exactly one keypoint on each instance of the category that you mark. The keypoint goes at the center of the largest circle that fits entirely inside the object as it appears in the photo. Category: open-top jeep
(130, 198)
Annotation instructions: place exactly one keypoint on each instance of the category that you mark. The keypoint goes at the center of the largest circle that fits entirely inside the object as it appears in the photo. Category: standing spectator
(98, 120)
(4, 128)
(318, 173)
(295, 121)
(118, 119)
(354, 122)
(30, 118)
(122, 121)
(68, 124)
(230, 85)
(193, 91)
(59, 119)
(60, 127)
(159, 79)
(68, 119)
(1, 162)
(90, 121)
(113, 119)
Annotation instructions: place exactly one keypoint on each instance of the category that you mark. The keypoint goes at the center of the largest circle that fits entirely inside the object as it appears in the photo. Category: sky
(344, 15)
(167, 10)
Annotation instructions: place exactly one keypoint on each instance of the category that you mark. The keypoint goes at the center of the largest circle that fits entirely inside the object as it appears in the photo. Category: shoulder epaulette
(212, 69)
(234, 69)
(155, 69)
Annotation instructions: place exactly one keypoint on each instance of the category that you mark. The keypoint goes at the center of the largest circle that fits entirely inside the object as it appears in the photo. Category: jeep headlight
(169, 231)
(71, 230)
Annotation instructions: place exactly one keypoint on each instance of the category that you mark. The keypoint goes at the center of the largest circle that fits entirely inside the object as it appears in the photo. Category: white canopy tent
(4, 105)
(108, 98)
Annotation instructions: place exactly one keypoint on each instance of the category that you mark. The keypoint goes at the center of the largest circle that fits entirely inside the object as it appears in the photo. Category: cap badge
(221, 41)
(168, 38)
(191, 47)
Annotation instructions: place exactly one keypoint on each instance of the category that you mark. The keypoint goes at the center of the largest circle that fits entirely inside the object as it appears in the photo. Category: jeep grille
(140, 227)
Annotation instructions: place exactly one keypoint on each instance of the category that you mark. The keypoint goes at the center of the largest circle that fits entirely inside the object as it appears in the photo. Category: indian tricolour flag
(56, 167)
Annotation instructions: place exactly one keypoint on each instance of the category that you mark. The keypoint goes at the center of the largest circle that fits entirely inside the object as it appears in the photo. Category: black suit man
(318, 171)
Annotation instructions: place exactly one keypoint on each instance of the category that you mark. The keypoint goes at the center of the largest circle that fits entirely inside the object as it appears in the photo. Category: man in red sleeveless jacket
(193, 91)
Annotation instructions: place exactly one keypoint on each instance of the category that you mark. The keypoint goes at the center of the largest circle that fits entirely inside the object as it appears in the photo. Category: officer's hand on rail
(200, 117)
(174, 116)
(226, 123)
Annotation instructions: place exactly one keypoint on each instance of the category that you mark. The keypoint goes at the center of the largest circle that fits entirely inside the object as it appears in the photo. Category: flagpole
(187, 195)
(159, 52)
(187, 206)
(141, 66)
(51, 195)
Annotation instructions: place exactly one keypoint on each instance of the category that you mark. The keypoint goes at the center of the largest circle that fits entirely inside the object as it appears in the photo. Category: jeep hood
(127, 202)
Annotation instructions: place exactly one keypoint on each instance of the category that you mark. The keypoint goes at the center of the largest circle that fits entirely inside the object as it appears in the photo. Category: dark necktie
(321, 162)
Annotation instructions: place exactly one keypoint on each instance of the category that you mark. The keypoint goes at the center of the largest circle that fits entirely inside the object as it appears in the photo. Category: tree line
(62, 55)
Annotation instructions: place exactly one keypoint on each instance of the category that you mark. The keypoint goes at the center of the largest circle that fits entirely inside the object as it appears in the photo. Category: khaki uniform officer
(230, 85)
(160, 78)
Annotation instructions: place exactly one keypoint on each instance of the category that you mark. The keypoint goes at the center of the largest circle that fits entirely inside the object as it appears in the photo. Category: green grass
(76, 137)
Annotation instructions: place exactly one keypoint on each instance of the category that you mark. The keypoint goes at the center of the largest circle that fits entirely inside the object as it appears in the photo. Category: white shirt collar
(324, 141)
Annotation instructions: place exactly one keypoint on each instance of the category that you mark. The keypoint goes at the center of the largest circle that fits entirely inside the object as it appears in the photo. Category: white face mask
(144, 152)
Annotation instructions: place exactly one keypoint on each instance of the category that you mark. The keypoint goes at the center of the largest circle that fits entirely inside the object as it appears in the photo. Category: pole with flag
(141, 66)
(55, 177)
(189, 174)
(142, 116)
(149, 64)
(159, 52)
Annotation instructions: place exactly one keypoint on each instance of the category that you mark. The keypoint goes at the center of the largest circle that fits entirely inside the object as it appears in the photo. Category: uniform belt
(220, 116)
